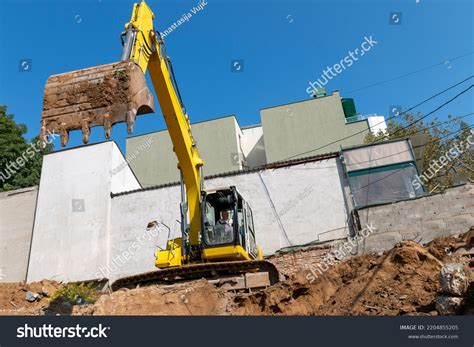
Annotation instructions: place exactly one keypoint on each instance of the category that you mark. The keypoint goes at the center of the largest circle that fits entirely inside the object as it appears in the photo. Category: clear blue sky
(284, 45)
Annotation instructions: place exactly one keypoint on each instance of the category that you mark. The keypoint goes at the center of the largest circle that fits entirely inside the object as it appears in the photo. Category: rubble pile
(410, 279)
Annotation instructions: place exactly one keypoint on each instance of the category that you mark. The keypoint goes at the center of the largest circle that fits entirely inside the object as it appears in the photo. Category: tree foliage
(20, 160)
(447, 139)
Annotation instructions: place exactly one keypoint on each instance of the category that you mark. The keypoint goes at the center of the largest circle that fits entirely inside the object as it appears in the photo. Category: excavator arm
(144, 46)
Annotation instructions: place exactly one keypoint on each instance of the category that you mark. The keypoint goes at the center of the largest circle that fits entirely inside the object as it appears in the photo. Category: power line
(436, 109)
(470, 125)
(408, 74)
(365, 130)
(434, 96)
(407, 150)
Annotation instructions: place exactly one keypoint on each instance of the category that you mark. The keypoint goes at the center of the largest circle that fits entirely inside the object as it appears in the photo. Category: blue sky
(283, 45)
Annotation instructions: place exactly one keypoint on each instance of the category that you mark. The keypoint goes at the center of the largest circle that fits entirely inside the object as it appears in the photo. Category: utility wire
(390, 155)
(393, 154)
(381, 179)
(408, 74)
(436, 109)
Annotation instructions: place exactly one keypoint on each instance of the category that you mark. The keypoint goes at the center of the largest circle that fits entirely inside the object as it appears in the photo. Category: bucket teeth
(43, 137)
(86, 130)
(130, 121)
(107, 126)
(99, 96)
(64, 133)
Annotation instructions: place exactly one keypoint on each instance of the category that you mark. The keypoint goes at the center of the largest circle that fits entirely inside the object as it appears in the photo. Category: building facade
(290, 131)
(310, 127)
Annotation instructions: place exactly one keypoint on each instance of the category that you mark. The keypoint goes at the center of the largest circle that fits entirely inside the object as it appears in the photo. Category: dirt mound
(13, 297)
(402, 281)
(194, 298)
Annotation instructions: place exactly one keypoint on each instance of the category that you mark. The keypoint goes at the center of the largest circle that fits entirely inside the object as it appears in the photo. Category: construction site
(402, 281)
(213, 218)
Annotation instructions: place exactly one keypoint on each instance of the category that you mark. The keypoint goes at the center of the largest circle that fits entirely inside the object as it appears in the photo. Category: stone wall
(422, 219)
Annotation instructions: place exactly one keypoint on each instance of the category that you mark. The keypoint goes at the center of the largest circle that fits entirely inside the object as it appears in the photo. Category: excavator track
(196, 271)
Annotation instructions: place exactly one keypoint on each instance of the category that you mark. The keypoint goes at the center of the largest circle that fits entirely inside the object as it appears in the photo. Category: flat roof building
(289, 131)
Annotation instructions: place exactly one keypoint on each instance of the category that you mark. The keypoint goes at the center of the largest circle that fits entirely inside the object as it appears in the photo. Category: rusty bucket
(98, 96)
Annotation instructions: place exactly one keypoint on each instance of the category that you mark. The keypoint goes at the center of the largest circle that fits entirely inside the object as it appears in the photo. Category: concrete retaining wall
(291, 206)
(423, 219)
(71, 232)
(17, 210)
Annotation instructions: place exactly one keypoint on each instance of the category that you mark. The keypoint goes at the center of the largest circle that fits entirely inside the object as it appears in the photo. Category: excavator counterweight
(98, 96)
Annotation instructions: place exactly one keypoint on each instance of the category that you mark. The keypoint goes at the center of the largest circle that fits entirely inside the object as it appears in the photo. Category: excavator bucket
(98, 96)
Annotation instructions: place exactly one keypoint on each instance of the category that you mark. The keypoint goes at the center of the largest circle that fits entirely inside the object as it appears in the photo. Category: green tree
(20, 160)
(439, 139)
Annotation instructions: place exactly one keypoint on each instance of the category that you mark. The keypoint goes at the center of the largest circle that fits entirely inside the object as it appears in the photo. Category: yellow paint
(172, 256)
(176, 120)
(225, 253)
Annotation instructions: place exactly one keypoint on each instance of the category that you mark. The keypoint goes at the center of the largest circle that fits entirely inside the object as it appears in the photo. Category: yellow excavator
(217, 229)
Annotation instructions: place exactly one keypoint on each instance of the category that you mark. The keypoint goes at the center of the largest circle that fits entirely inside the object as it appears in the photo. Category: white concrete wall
(293, 205)
(132, 247)
(71, 232)
(17, 211)
(108, 237)
(253, 146)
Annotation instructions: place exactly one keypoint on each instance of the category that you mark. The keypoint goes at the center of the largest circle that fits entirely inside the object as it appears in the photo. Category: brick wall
(299, 259)
(423, 219)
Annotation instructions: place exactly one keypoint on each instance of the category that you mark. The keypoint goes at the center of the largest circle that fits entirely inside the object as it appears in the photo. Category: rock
(453, 279)
(372, 264)
(403, 297)
(30, 296)
(406, 309)
(448, 305)
(44, 291)
(470, 237)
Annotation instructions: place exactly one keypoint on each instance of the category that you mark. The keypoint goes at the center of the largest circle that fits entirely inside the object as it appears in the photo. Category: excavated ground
(402, 281)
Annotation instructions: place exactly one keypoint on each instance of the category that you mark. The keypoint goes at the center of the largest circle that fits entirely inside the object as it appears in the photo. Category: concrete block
(381, 242)
(72, 222)
(436, 224)
(257, 280)
(462, 219)
(453, 279)
(409, 235)
(230, 283)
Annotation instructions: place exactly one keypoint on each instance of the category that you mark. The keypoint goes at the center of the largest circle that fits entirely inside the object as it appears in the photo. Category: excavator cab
(228, 231)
